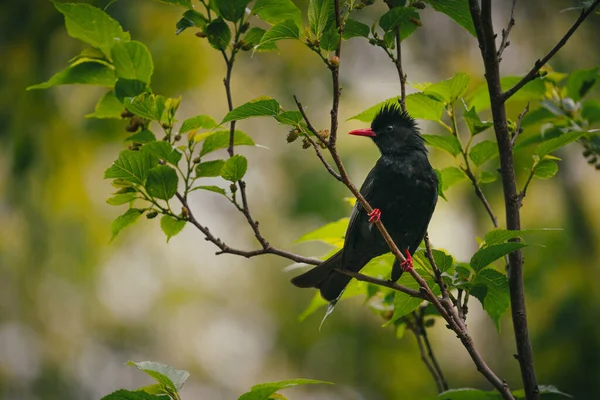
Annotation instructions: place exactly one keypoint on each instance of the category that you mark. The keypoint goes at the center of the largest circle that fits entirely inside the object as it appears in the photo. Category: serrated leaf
(85, 73)
(264, 391)
(331, 233)
(467, 394)
(447, 143)
(143, 136)
(483, 151)
(440, 187)
(132, 60)
(284, 30)
(452, 176)
(123, 394)
(209, 168)
(320, 16)
(545, 169)
(502, 235)
(277, 11)
(418, 105)
(293, 118)
(108, 107)
(122, 198)
(354, 28)
(129, 88)
(218, 34)
(132, 166)
(443, 260)
(403, 303)
(171, 226)
(123, 221)
(474, 123)
(544, 390)
(449, 90)
(189, 19)
(220, 140)
(162, 150)
(146, 105)
(210, 188)
(234, 168)
(581, 82)
(197, 122)
(590, 111)
(254, 108)
(558, 142)
(162, 182)
(488, 254)
(232, 10)
(399, 17)
(92, 25)
(491, 288)
(532, 91)
(164, 374)
(458, 10)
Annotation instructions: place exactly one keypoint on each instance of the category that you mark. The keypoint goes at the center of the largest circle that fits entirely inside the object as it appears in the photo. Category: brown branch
(442, 379)
(534, 72)
(335, 75)
(482, 19)
(479, 193)
(401, 75)
(419, 332)
(382, 282)
(505, 32)
(518, 127)
(436, 270)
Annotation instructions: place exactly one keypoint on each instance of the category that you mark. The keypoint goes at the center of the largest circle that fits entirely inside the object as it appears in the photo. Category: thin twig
(534, 72)
(418, 331)
(436, 270)
(518, 127)
(442, 379)
(335, 74)
(382, 282)
(401, 75)
(310, 126)
(322, 158)
(505, 32)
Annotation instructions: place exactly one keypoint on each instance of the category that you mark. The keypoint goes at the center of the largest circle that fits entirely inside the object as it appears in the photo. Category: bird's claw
(374, 215)
(407, 264)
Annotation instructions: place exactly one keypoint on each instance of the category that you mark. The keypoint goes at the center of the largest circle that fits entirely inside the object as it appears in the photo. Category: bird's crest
(391, 113)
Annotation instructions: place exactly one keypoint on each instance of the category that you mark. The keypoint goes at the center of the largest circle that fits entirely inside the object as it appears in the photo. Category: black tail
(323, 277)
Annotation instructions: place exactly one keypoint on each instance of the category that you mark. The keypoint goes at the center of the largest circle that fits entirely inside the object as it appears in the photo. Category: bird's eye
(389, 128)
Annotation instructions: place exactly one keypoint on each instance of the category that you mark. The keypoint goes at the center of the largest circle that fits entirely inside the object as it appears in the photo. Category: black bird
(402, 189)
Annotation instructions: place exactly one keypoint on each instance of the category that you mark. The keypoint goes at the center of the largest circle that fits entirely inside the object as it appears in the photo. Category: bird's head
(393, 131)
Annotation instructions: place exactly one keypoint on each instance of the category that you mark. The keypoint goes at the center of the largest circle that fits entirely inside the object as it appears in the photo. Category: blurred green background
(74, 308)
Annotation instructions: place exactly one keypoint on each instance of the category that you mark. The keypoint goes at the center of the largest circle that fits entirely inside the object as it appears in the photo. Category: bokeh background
(74, 307)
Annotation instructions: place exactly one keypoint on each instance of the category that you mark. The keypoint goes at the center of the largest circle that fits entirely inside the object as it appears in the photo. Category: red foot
(375, 215)
(408, 263)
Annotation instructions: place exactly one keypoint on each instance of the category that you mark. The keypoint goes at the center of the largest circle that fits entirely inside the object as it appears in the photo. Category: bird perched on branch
(402, 189)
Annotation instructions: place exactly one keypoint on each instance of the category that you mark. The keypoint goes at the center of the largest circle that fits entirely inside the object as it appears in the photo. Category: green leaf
(85, 73)
(218, 34)
(220, 140)
(532, 91)
(277, 11)
(144, 136)
(418, 105)
(232, 10)
(254, 108)
(162, 150)
(315, 303)
(330, 39)
(488, 254)
(491, 288)
(123, 394)
(164, 374)
(197, 122)
(452, 176)
(545, 169)
(483, 151)
(122, 198)
(129, 88)
(210, 188)
(162, 182)
(581, 82)
(399, 17)
(590, 111)
(189, 19)
(474, 123)
(108, 107)
(132, 166)
(403, 303)
(122, 221)
(284, 30)
(449, 144)
(331, 233)
(353, 28)
(502, 235)
(132, 60)
(556, 143)
(209, 168)
(234, 168)
(440, 187)
(487, 177)
(92, 25)
(184, 3)
(146, 105)
(467, 394)
(458, 10)
(443, 260)
(293, 118)
(171, 226)
(548, 390)
(449, 90)
(264, 391)
(320, 16)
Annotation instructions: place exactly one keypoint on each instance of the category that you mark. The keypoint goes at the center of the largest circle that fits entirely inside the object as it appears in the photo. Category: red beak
(362, 132)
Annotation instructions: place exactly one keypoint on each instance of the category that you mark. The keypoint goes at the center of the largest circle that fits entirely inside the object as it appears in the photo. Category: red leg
(375, 215)
(408, 263)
